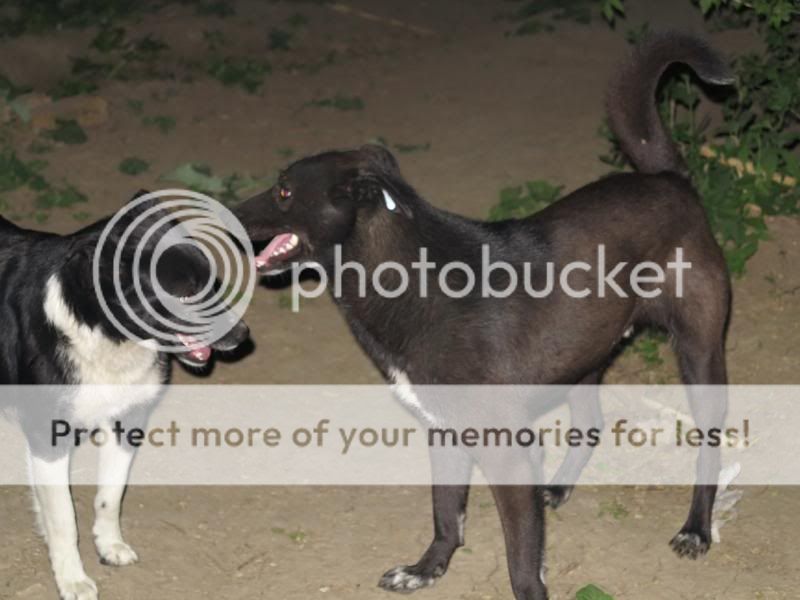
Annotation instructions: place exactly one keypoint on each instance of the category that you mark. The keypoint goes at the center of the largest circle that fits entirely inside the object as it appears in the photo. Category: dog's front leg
(515, 479)
(57, 518)
(521, 509)
(114, 467)
(449, 516)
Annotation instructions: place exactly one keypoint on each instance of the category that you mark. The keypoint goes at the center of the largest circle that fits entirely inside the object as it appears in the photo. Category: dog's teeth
(294, 240)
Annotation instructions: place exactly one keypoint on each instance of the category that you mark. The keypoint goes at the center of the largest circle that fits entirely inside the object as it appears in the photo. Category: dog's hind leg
(708, 400)
(114, 466)
(449, 517)
(699, 331)
(51, 487)
(585, 415)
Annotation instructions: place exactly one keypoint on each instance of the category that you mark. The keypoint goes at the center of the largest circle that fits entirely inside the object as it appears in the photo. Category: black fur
(336, 198)
(36, 352)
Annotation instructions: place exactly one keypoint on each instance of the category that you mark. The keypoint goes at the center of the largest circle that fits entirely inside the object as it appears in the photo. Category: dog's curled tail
(631, 103)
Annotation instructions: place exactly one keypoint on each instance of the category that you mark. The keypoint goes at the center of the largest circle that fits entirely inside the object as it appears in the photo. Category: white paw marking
(116, 553)
(84, 589)
(400, 580)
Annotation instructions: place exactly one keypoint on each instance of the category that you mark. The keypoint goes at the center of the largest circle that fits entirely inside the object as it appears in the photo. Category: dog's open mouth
(282, 247)
(196, 354)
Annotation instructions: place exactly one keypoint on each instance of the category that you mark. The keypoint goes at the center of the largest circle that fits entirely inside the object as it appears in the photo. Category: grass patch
(201, 178)
(111, 55)
(16, 173)
(41, 16)
(133, 166)
(60, 198)
(213, 8)
(280, 39)
(164, 123)
(613, 508)
(67, 131)
(10, 90)
(648, 347)
(231, 71)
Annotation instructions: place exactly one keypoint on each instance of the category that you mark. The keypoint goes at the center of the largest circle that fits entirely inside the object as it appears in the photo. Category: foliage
(520, 201)
(111, 56)
(648, 346)
(755, 148)
(592, 592)
(200, 177)
(245, 72)
(16, 173)
(67, 131)
(280, 39)
(40, 16)
(60, 197)
(9, 90)
(164, 123)
(133, 166)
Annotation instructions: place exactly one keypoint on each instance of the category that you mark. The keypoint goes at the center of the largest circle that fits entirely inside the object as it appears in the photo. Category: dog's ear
(149, 215)
(379, 180)
(380, 159)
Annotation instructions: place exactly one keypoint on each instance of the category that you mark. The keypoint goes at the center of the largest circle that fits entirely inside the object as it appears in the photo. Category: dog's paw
(84, 589)
(687, 544)
(556, 495)
(115, 553)
(409, 579)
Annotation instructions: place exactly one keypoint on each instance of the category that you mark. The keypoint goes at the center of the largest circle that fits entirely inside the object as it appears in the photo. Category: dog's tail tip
(631, 103)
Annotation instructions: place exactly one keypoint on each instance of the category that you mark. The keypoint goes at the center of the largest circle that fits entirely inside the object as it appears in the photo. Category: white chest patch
(403, 390)
(97, 360)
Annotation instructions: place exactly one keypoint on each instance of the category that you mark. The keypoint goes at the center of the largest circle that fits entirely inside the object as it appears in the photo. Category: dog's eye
(285, 193)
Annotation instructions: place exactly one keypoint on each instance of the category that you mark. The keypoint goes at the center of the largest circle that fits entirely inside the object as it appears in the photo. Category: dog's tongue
(264, 259)
(196, 351)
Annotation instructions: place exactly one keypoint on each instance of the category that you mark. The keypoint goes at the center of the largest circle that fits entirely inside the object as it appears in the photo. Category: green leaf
(592, 592)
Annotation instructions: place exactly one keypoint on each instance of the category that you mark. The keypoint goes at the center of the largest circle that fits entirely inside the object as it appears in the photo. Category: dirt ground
(496, 111)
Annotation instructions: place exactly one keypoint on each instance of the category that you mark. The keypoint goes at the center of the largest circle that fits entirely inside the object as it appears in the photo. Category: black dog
(55, 333)
(357, 203)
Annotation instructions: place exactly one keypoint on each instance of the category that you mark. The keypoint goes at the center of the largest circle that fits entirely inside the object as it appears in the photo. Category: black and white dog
(357, 203)
(55, 333)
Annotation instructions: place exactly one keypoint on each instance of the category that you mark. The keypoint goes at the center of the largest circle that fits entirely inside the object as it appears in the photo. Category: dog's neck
(381, 324)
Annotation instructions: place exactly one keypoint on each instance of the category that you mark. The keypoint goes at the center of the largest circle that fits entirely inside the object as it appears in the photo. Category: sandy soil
(496, 111)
